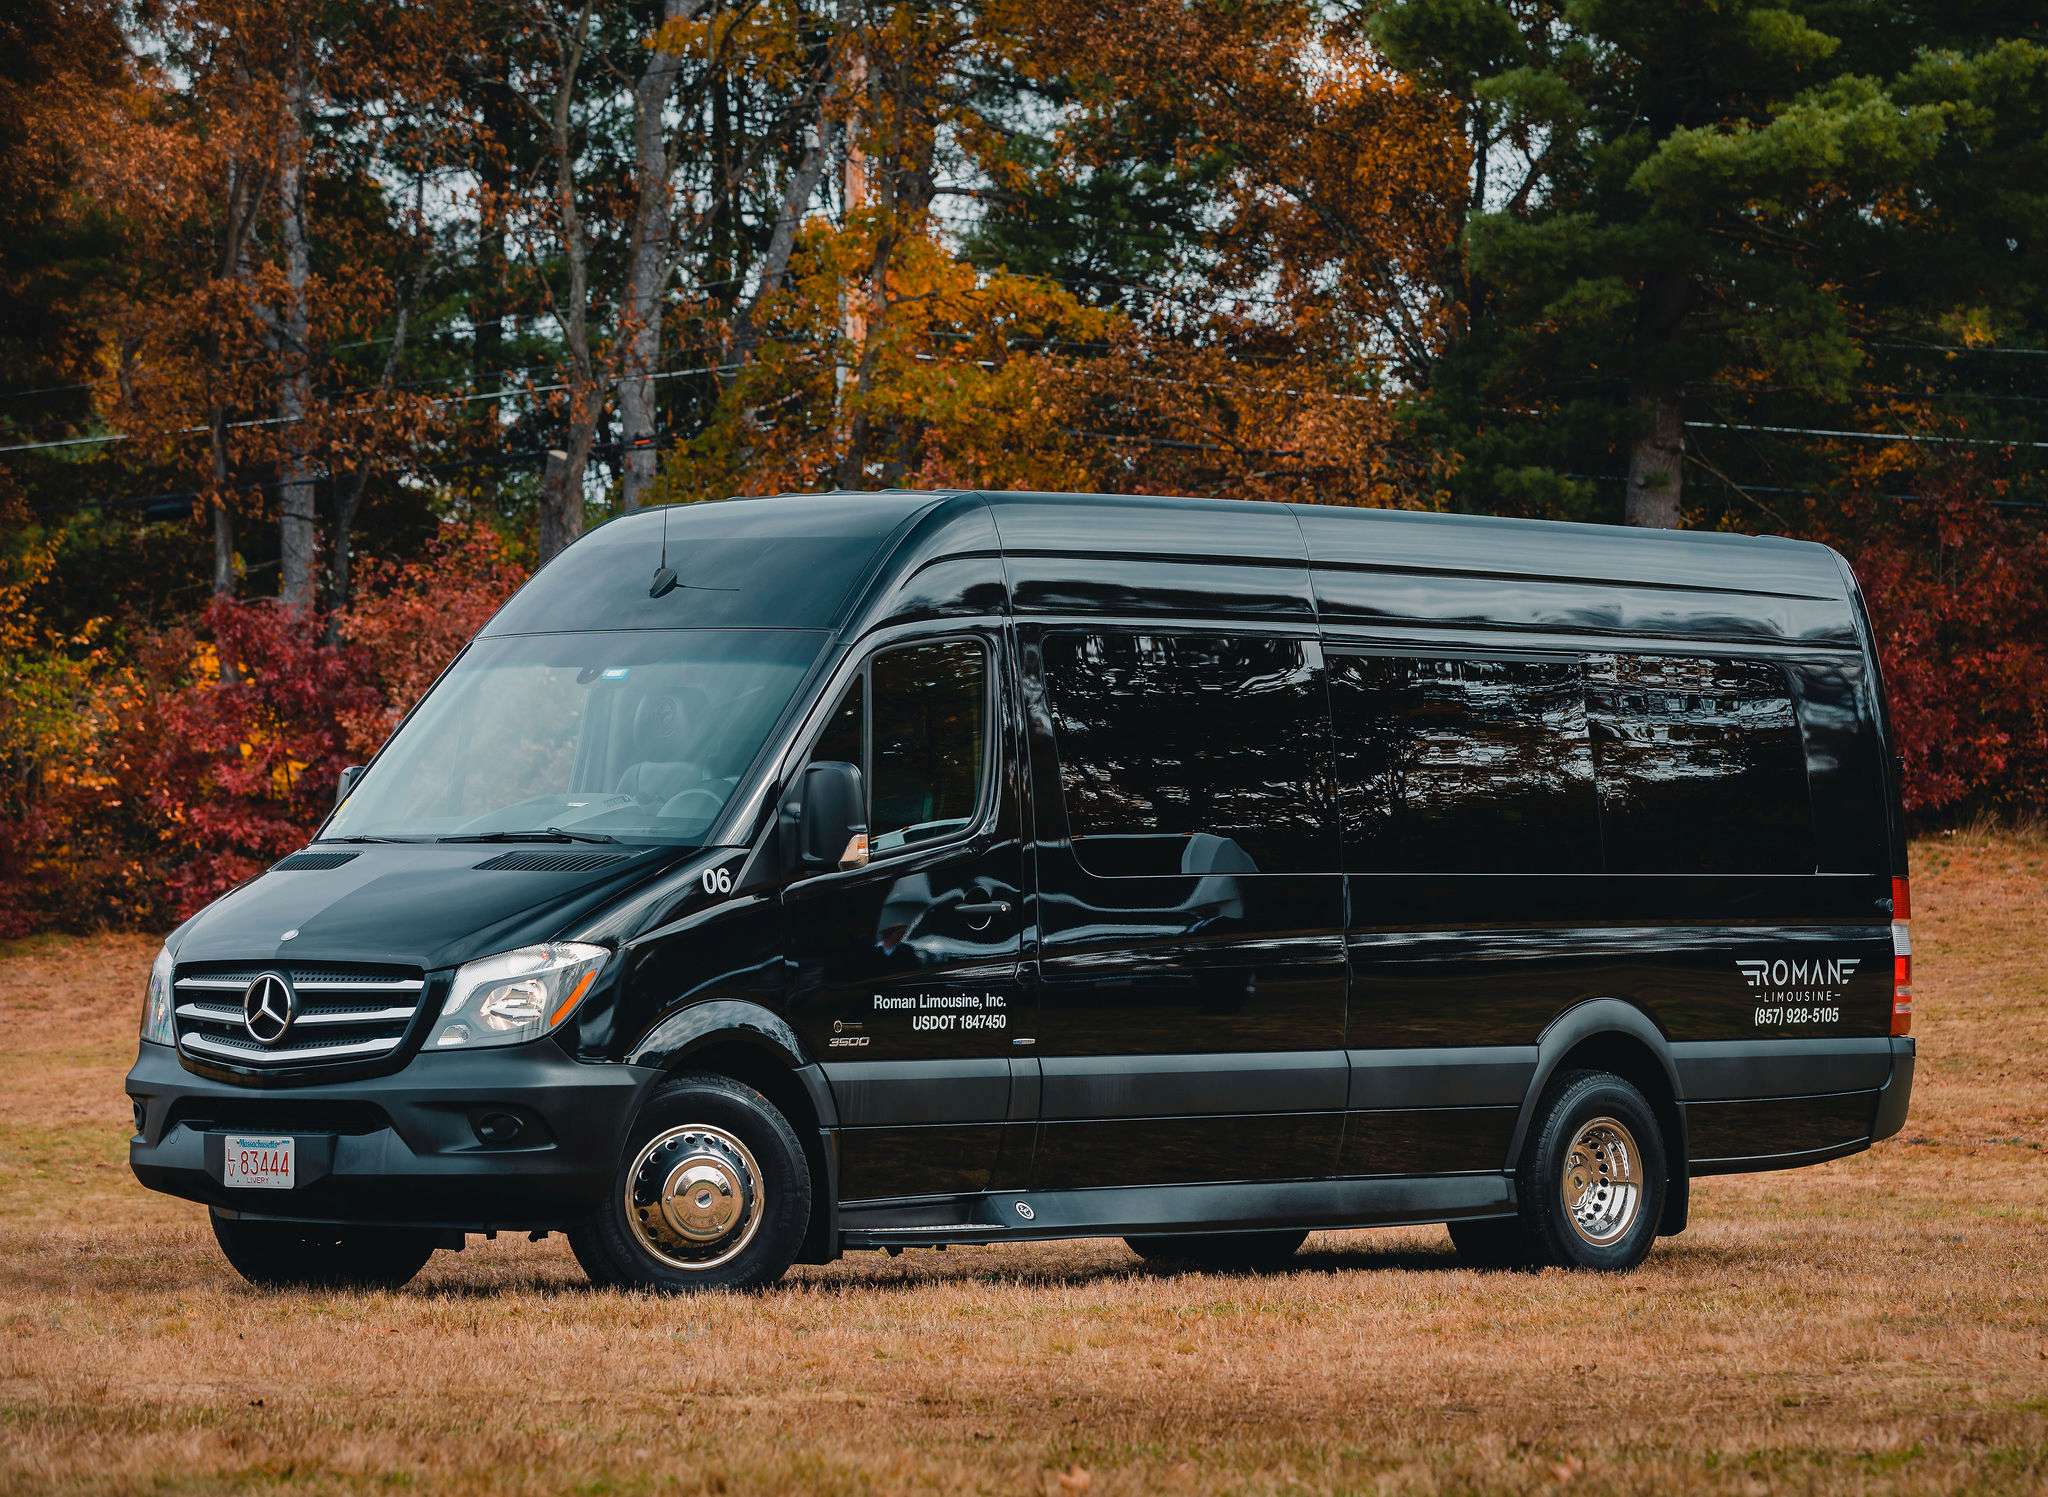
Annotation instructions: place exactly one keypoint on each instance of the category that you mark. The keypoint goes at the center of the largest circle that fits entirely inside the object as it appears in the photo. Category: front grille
(344, 1014)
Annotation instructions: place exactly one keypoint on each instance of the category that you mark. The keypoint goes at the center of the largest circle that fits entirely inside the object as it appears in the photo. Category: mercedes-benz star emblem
(268, 1007)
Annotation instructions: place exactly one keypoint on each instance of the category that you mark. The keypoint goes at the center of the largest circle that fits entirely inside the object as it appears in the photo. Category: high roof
(790, 561)
(805, 560)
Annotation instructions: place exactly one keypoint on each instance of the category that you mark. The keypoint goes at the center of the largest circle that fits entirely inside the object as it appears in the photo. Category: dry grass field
(1876, 1324)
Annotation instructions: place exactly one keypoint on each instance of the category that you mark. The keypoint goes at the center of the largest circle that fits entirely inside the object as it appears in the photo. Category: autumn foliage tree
(440, 282)
(242, 188)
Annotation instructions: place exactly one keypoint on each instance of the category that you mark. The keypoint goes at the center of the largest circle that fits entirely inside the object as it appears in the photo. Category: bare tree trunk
(853, 198)
(495, 180)
(1655, 462)
(348, 495)
(796, 198)
(561, 502)
(561, 496)
(296, 524)
(797, 195)
(245, 192)
(348, 498)
(648, 261)
(854, 298)
(1655, 480)
(222, 523)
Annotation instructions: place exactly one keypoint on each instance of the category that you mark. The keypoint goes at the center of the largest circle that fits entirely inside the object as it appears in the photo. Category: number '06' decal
(718, 881)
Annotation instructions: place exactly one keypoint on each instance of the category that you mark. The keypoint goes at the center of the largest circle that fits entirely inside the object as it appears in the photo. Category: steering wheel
(670, 807)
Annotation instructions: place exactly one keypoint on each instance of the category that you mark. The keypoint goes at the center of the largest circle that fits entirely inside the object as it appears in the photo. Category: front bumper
(402, 1149)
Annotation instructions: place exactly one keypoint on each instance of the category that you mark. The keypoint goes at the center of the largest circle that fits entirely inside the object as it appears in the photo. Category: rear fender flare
(1591, 1020)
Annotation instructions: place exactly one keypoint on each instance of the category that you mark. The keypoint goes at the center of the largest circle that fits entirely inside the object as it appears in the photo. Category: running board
(1118, 1211)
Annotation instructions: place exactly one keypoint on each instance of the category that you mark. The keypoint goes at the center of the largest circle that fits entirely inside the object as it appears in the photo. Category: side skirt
(1020, 1216)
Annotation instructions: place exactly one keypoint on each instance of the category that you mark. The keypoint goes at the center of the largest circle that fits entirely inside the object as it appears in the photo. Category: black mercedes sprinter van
(778, 877)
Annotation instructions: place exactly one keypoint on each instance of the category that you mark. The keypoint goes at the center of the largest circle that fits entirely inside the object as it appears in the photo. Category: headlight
(156, 1001)
(520, 996)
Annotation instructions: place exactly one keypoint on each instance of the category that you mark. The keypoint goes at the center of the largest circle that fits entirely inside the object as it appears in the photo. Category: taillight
(1902, 957)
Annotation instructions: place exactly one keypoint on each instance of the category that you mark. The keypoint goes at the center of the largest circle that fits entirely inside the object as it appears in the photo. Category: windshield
(632, 735)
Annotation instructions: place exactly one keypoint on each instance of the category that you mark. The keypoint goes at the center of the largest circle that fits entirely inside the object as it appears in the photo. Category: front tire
(1221, 1252)
(279, 1255)
(712, 1192)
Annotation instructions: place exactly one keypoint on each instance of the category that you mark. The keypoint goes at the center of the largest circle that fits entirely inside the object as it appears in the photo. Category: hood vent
(550, 862)
(310, 862)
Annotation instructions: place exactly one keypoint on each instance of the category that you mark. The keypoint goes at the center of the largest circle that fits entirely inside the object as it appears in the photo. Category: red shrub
(236, 743)
(409, 620)
(1958, 595)
(217, 748)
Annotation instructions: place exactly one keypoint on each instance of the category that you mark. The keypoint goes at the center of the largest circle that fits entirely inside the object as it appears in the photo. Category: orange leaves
(1322, 199)
(1210, 420)
(409, 620)
(248, 126)
(961, 370)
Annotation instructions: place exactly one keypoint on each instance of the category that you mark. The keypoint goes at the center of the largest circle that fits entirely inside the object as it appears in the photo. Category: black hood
(428, 905)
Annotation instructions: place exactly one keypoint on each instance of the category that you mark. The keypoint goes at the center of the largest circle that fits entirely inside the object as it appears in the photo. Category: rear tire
(1218, 1251)
(713, 1192)
(279, 1255)
(1593, 1176)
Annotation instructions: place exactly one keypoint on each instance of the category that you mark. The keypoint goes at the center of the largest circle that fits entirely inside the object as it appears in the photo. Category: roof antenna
(665, 579)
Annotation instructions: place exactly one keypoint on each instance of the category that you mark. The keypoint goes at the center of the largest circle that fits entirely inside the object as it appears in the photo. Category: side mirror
(347, 782)
(832, 828)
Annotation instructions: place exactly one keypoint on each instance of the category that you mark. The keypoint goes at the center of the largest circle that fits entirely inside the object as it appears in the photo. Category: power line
(256, 422)
(1865, 436)
(556, 387)
(2023, 353)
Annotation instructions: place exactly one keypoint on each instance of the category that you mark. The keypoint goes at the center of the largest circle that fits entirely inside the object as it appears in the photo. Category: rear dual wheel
(1591, 1183)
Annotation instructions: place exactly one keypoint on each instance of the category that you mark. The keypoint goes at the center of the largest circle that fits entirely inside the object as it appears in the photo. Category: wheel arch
(757, 1047)
(1608, 1034)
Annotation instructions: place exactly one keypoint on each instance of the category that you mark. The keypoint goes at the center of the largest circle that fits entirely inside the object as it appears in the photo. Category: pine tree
(1666, 198)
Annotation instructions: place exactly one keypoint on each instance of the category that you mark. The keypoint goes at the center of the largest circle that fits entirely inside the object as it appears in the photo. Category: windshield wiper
(546, 834)
(367, 839)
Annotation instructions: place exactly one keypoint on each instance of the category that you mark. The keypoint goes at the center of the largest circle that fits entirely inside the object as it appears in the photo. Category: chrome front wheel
(713, 1191)
(695, 1197)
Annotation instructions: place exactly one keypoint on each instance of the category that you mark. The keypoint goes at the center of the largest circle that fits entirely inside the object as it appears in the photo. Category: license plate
(259, 1163)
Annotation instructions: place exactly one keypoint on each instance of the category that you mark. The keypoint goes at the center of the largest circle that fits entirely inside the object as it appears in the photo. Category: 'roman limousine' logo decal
(1799, 991)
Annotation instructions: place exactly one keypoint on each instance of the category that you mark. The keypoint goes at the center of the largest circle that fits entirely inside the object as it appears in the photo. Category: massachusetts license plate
(265, 1163)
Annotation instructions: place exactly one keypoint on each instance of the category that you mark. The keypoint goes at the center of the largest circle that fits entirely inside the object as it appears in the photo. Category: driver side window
(916, 722)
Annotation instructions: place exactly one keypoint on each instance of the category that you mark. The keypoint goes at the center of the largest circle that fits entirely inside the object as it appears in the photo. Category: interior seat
(664, 725)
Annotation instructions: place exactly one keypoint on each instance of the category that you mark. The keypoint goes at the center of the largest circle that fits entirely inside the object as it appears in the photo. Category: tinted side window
(1463, 766)
(1844, 767)
(1700, 766)
(927, 744)
(1190, 753)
